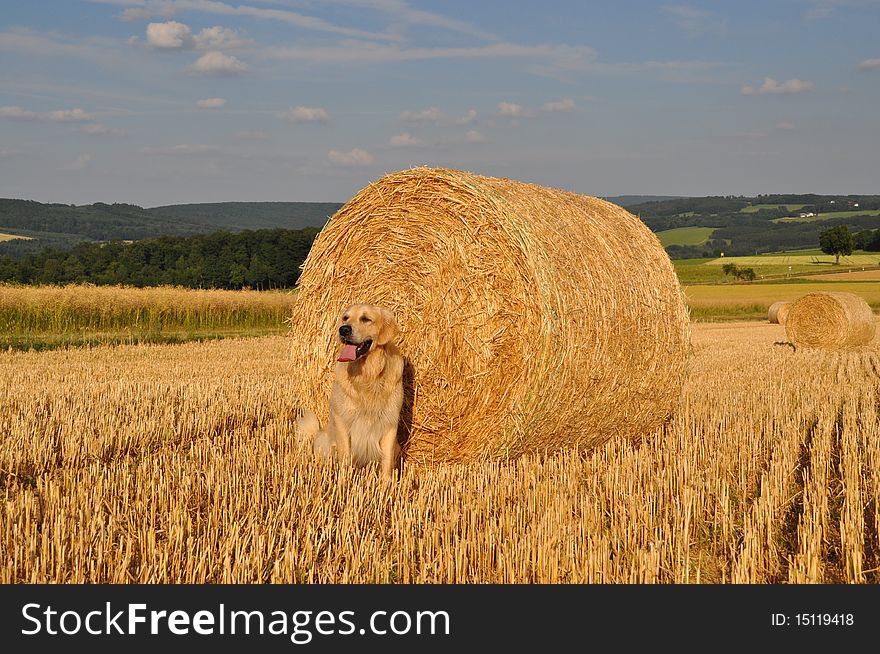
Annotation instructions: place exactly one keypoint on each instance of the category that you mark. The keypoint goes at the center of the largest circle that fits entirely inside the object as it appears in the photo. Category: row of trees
(261, 259)
(778, 237)
(745, 274)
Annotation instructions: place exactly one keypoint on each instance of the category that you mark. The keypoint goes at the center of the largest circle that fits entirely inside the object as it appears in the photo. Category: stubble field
(177, 463)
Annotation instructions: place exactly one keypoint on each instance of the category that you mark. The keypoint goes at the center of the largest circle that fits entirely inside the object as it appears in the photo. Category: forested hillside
(766, 223)
(235, 216)
(215, 245)
(261, 259)
(62, 226)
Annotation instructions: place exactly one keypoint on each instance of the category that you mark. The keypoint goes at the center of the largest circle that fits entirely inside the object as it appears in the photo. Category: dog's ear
(389, 328)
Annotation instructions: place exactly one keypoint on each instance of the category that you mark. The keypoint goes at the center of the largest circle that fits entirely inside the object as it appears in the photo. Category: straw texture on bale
(830, 321)
(777, 312)
(532, 318)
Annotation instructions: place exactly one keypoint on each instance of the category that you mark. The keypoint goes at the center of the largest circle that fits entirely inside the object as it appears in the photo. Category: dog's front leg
(390, 450)
(341, 438)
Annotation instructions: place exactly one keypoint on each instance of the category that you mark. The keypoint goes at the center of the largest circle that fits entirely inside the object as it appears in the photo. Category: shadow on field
(404, 426)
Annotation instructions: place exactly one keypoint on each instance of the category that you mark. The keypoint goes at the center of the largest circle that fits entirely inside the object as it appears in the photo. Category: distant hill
(739, 226)
(736, 225)
(236, 216)
(63, 226)
(626, 200)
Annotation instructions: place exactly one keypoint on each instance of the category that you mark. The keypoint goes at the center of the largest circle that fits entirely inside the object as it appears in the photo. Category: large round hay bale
(830, 321)
(532, 318)
(777, 312)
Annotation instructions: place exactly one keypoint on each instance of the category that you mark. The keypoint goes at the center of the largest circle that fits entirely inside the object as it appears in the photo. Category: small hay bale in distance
(830, 321)
(532, 318)
(777, 312)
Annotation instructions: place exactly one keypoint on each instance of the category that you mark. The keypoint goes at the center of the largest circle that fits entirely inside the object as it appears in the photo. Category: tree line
(259, 259)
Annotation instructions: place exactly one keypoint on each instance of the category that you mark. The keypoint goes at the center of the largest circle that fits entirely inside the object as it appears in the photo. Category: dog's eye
(365, 319)
(345, 318)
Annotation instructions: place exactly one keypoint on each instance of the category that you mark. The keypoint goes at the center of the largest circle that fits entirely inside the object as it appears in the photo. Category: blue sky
(169, 101)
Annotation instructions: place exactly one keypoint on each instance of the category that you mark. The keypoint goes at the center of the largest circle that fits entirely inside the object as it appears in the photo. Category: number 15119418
(813, 620)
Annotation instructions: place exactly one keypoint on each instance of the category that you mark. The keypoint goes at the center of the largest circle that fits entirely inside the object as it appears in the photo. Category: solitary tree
(837, 241)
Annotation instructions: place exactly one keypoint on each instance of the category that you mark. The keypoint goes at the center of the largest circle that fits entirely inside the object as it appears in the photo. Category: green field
(826, 216)
(757, 207)
(798, 262)
(685, 236)
(808, 259)
(692, 271)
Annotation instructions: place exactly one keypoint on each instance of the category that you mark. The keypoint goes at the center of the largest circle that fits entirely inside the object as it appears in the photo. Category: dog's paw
(307, 424)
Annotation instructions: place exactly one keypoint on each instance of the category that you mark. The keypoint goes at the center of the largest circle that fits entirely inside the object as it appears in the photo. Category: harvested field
(176, 463)
(13, 237)
(854, 276)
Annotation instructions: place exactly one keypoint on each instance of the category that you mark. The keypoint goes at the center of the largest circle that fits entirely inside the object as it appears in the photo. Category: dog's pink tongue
(349, 353)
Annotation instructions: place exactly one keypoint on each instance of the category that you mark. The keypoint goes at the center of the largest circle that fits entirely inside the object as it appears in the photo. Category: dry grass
(851, 276)
(51, 316)
(177, 464)
(13, 237)
(532, 317)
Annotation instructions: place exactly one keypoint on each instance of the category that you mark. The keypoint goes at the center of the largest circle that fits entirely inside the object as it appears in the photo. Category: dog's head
(363, 327)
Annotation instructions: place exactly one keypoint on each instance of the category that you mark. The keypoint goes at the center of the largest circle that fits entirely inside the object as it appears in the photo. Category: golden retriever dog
(367, 393)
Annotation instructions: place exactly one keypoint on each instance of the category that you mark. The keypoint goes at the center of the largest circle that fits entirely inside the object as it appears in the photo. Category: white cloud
(785, 124)
(566, 104)
(869, 64)
(355, 157)
(473, 136)
(692, 19)
(59, 116)
(429, 115)
(468, 118)
(217, 63)
(353, 51)
(211, 103)
(79, 163)
(68, 116)
(555, 60)
(404, 140)
(399, 11)
(170, 35)
(216, 38)
(17, 113)
(512, 110)
(300, 114)
(771, 87)
(167, 8)
(98, 129)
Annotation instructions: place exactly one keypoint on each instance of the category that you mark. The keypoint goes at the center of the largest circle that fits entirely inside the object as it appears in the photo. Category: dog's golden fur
(366, 397)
